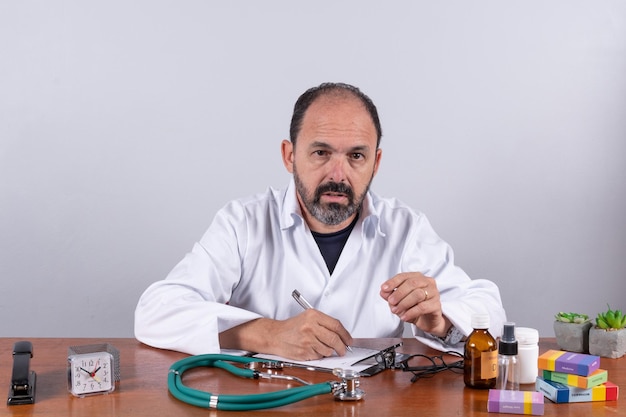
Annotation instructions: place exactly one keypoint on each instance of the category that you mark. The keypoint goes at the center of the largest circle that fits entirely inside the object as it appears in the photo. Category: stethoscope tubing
(234, 402)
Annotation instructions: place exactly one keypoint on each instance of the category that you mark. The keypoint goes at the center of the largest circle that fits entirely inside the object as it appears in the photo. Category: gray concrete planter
(607, 343)
(573, 337)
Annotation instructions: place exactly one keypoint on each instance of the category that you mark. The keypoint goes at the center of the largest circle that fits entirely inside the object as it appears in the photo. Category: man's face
(333, 161)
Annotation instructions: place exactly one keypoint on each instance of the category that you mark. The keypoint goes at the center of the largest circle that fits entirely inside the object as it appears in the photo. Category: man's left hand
(414, 298)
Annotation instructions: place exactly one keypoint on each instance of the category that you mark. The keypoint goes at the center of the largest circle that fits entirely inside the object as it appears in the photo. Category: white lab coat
(259, 249)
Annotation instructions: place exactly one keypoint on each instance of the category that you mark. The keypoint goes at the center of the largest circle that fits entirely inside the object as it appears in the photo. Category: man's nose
(337, 171)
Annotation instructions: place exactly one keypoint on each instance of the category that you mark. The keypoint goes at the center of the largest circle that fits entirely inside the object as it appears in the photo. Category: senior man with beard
(367, 264)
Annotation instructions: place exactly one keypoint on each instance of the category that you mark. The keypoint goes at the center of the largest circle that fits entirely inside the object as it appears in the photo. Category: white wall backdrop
(125, 125)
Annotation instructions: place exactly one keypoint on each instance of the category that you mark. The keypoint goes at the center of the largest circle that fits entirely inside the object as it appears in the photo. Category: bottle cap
(508, 344)
(526, 336)
(480, 321)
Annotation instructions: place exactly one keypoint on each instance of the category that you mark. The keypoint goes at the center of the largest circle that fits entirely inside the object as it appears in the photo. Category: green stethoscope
(346, 389)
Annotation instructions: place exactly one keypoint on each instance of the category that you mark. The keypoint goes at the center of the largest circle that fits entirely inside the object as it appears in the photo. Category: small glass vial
(480, 359)
(508, 367)
(527, 354)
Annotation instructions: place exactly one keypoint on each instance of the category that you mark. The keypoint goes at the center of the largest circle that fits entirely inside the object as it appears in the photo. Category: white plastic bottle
(527, 354)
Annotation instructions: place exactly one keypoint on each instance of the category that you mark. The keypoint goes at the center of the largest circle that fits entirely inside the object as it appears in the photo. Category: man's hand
(415, 299)
(309, 335)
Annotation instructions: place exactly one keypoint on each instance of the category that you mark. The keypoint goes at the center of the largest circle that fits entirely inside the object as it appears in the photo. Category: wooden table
(143, 389)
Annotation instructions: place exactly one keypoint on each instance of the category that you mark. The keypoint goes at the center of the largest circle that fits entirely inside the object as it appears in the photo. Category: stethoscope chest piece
(348, 389)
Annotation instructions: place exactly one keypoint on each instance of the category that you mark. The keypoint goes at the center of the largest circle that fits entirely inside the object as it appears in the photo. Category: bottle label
(489, 364)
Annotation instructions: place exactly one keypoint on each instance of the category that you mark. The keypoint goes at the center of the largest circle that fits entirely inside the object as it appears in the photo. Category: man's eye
(319, 153)
(357, 155)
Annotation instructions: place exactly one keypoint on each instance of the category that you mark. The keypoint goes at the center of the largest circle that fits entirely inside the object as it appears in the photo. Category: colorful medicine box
(568, 362)
(515, 402)
(561, 393)
(597, 377)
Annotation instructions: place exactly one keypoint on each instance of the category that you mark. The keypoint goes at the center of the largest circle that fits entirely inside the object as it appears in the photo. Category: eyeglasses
(427, 366)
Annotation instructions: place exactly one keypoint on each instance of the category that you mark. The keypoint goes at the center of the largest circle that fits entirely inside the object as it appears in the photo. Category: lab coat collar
(291, 213)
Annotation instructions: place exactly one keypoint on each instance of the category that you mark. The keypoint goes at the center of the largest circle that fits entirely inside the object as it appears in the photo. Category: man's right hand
(307, 336)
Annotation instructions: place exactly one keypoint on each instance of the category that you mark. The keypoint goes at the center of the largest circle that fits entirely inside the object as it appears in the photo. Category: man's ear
(286, 150)
(379, 155)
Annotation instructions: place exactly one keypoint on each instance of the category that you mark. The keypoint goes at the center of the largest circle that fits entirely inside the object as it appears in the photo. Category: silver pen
(301, 300)
(306, 305)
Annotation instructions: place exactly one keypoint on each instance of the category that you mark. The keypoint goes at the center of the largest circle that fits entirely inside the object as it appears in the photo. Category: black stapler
(22, 389)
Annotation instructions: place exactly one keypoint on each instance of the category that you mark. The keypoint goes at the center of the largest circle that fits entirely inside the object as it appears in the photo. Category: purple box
(568, 362)
(515, 402)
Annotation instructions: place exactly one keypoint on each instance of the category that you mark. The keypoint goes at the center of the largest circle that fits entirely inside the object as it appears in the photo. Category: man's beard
(330, 214)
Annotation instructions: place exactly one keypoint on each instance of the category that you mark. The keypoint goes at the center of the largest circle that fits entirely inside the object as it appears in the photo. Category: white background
(125, 125)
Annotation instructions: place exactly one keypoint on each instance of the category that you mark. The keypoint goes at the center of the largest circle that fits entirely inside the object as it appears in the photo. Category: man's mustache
(334, 187)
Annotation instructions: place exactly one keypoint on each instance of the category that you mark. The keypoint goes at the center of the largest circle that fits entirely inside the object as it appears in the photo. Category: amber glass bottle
(481, 355)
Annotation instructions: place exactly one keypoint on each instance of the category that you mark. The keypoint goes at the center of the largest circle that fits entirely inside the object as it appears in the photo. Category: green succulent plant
(572, 317)
(611, 319)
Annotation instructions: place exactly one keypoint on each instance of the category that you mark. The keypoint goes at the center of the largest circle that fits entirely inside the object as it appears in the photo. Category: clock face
(90, 373)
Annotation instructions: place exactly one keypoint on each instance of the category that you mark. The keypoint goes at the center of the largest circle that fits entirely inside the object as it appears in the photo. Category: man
(366, 264)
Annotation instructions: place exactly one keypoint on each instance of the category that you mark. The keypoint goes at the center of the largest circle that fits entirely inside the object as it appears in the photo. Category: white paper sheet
(348, 361)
